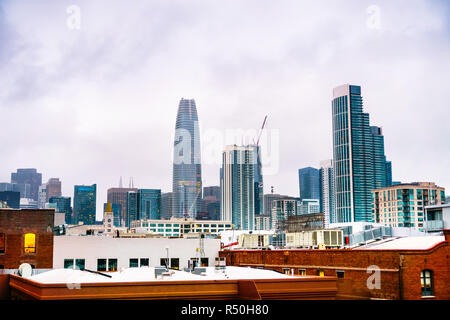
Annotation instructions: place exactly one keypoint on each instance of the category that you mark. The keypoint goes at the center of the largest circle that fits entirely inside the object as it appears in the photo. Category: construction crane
(260, 131)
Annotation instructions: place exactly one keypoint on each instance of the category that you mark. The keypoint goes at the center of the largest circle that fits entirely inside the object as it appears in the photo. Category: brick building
(404, 273)
(26, 236)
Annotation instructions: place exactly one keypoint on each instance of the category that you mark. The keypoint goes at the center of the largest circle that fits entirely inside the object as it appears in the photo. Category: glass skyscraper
(237, 185)
(84, 204)
(358, 156)
(187, 170)
(259, 183)
(308, 179)
(327, 192)
(63, 204)
(144, 204)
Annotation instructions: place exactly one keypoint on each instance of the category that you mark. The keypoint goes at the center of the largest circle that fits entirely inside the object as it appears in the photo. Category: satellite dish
(25, 270)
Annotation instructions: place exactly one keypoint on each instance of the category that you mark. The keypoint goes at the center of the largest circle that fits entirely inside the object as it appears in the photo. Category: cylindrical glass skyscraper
(187, 170)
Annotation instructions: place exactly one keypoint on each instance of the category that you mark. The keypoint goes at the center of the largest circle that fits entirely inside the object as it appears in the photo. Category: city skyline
(289, 74)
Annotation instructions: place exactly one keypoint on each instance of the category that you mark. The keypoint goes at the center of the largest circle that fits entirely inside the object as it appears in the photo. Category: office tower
(12, 199)
(358, 155)
(327, 192)
(268, 200)
(166, 205)
(144, 204)
(403, 205)
(149, 204)
(118, 196)
(132, 207)
(309, 206)
(237, 183)
(212, 191)
(28, 176)
(116, 210)
(63, 204)
(53, 188)
(187, 172)
(23, 188)
(281, 210)
(308, 179)
(84, 204)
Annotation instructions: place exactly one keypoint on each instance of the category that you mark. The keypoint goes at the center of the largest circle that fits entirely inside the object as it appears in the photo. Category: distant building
(212, 191)
(11, 199)
(309, 206)
(281, 210)
(26, 203)
(263, 222)
(177, 227)
(327, 192)
(166, 205)
(309, 183)
(28, 176)
(358, 155)
(237, 185)
(187, 168)
(403, 205)
(268, 199)
(53, 188)
(116, 210)
(84, 204)
(144, 204)
(23, 188)
(437, 218)
(305, 222)
(63, 205)
(119, 196)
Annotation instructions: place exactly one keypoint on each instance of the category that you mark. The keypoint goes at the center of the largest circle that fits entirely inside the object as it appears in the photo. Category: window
(286, 271)
(2, 266)
(101, 264)
(320, 273)
(134, 263)
(145, 262)
(340, 274)
(30, 243)
(302, 272)
(164, 262)
(68, 263)
(426, 282)
(79, 264)
(2, 243)
(204, 262)
(112, 264)
(175, 263)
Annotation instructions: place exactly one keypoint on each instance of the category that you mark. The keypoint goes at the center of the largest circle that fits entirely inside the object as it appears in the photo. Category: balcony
(433, 225)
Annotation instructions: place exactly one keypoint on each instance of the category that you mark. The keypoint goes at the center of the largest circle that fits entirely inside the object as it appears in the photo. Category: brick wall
(14, 224)
(399, 270)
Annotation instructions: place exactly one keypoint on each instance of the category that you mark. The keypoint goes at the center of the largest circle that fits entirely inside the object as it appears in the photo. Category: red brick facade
(399, 270)
(14, 224)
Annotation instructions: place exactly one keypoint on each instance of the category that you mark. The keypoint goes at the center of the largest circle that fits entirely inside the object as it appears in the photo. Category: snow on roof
(409, 243)
(148, 274)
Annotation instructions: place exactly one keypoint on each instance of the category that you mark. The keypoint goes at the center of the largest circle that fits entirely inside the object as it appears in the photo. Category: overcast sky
(89, 90)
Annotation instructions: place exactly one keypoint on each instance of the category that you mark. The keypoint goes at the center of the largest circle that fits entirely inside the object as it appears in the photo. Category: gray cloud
(94, 104)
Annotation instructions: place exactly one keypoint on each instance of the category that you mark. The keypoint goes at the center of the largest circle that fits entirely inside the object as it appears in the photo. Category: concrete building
(178, 227)
(437, 218)
(263, 222)
(403, 205)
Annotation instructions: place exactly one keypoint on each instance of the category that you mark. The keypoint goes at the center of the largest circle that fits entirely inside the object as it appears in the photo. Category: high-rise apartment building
(281, 210)
(118, 196)
(84, 204)
(327, 192)
(28, 176)
(358, 156)
(403, 205)
(237, 186)
(309, 185)
(259, 183)
(187, 171)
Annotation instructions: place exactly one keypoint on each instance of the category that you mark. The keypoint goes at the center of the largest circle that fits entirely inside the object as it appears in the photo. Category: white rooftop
(408, 243)
(148, 274)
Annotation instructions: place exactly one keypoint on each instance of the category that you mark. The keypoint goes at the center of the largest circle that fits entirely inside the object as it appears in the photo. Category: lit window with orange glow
(30, 243)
